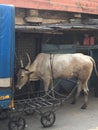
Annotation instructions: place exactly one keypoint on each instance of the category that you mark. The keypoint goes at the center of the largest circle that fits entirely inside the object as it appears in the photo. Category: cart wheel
(48, 119)
(3, 115)
(17, 123)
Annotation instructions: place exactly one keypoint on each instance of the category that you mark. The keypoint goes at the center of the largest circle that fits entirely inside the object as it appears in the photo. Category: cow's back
(62, 65)
(69, 65)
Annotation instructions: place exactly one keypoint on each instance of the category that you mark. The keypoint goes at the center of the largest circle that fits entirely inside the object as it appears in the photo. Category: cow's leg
(74, 97)
(46, 85)
(52, 88)
(77, 92)
(86, 93)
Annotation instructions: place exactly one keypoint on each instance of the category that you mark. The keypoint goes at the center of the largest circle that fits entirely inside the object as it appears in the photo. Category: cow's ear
(31, 72)
(27, 72)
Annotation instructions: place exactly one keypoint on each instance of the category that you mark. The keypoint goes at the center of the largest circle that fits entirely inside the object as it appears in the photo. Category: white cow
(48, 66)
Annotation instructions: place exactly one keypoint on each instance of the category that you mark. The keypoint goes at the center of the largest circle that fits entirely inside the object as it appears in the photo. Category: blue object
(5, 98)
(7, 40)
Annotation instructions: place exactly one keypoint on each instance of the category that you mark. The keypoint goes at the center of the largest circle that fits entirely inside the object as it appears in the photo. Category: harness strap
(25, 69)
(51, 65)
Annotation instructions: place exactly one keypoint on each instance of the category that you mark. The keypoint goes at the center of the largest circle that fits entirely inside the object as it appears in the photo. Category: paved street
(68, 117)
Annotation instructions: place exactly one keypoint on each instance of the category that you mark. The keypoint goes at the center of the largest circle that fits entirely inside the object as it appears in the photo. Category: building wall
(82, 6)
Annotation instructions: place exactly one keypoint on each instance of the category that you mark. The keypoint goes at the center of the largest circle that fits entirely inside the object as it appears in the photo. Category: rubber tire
(16, 121)
(3, 115)
(47, 118)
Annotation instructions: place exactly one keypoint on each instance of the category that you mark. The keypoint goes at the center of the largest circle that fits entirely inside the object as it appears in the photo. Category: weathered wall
(82, 6)
(31, 16)
(37, 17)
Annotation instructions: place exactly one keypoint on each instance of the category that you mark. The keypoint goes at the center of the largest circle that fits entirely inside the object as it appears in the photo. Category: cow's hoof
(84, 106)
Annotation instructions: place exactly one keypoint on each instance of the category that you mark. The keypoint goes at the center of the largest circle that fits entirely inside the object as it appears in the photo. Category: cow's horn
(21, 63)
(29, 63)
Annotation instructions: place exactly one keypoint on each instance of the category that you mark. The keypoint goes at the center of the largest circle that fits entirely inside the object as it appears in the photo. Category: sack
(92, 40)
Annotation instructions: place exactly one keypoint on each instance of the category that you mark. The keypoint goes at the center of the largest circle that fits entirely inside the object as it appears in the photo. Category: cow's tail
(94, 64)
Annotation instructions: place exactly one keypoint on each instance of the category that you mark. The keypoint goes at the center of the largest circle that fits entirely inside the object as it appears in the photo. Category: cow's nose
(17, 87)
